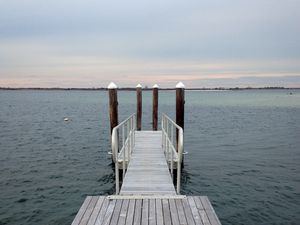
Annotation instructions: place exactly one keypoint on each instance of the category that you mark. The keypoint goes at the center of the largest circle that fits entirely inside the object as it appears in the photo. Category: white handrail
(125, 130)
(169, 147)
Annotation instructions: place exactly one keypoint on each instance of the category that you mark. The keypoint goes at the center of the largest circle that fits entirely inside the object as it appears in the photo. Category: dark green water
(244, 152)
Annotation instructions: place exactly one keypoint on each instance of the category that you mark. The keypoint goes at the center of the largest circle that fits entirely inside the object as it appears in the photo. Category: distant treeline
(147, 89)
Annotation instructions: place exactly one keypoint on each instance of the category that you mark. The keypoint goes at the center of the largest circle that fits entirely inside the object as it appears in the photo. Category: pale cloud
(88, 43)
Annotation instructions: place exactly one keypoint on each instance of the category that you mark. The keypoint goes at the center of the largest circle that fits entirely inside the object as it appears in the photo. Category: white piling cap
(155, 86)
(180, 85)
(112, 85)
(139, 86)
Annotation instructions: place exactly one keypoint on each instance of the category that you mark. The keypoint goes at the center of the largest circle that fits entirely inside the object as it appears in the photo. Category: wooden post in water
(113, 105)
(155, 106)
(139, 107)
(180, 104)
(180, 108)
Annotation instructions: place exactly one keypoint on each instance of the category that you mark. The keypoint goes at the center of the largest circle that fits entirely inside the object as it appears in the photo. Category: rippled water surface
(244, 152)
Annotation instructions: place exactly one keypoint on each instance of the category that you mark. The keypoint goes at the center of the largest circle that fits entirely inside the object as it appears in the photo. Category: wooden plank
(181, 214)
(82, 210)
(146, 197)
(137, 212)
(188, 212)
(201, 210)
(89, 210)
(211, 214)
(102, 212)
(130, 212)
(96, 210)
(116, 214)
(123, 213)
(145, 212)
(152, 214)
(109, 212)
(174, 212)
(166, 212)
(159, 212)
(196, 215)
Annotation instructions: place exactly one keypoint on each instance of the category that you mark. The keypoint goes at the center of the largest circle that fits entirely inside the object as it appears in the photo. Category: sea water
(243, 152)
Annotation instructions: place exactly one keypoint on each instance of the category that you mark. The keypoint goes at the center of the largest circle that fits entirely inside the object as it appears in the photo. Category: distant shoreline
(149, 89)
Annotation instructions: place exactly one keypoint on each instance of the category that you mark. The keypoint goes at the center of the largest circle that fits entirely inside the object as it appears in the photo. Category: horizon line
(146, 88)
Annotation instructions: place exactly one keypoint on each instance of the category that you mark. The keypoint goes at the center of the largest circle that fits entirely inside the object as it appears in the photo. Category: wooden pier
(149, 161)
(147, 195)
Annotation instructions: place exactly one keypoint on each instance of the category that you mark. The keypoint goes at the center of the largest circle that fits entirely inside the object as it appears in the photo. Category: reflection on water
(243, 152)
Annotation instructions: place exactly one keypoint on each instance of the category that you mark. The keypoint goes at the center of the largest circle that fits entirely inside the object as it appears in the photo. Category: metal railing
(172, 146)
(122, 143)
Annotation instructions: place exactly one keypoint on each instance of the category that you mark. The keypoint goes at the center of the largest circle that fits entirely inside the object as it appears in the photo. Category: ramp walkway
(148, 171)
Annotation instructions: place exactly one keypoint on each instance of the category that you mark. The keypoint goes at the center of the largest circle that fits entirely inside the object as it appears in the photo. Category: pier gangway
(147, 158)
(150, 162)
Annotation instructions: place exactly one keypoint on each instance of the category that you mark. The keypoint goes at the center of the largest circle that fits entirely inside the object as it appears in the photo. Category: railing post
(180, 149)
(167, 142)
(128, 137)
(133, 127)
(162, 129)
(139, 107)
(113, 105)
(115, 151)
(124, 150)
(172, 144)
(154, 106)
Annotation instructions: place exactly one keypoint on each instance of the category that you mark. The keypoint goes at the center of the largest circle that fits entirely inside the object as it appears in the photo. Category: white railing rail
(122, 143)
(172, 146)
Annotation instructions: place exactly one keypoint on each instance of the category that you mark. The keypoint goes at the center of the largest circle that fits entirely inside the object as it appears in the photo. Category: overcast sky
(204, 43)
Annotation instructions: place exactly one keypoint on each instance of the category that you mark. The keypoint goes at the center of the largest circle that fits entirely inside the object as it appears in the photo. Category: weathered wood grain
(152, 213)
(109, 212)
(181, 213)
(116, 213)
(82, 210)
(210, 212)
(102, 212)
(123, 212)
(126, 210)
(130, 212)
(174, 212)
(145, 212)
(96, 211)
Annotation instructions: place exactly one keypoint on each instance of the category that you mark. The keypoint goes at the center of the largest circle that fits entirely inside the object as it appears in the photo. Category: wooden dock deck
(129, 210)
(148, 172)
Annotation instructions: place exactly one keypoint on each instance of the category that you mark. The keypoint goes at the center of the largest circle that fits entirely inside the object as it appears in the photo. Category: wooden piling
(139, 107)
(154, 106)
(180, 108)
(180, 104)
(113, 105)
